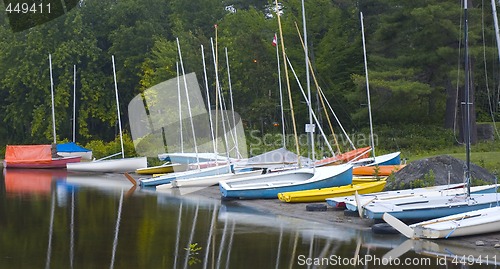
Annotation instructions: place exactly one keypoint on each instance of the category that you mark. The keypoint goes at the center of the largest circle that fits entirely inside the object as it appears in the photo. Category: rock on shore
(437, 170)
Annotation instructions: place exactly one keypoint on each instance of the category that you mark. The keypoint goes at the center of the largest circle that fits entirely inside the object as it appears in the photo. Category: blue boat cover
(71, 147)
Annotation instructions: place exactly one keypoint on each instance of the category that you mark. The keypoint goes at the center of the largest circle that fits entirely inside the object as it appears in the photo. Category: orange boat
(381, 170)
(34, 156)
(346, 157)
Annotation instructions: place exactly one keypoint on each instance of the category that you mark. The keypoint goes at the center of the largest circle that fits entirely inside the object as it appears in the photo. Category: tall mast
(52, 99)
(74, 103)
(467, 101)
(118, 106)
(311, 125)
(188, 103)
(367, 87)
(180, 106)
(281, 93)
(232, 105)
(209, 105)
(288, 86)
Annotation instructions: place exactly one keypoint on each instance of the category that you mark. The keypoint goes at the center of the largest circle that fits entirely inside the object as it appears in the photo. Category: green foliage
(193, 251)
(101, 149)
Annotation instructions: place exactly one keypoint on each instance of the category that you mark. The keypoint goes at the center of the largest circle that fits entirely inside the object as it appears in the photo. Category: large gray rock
(437, 170)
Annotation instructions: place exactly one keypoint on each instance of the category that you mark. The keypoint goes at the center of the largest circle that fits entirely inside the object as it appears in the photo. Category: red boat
(34, 156)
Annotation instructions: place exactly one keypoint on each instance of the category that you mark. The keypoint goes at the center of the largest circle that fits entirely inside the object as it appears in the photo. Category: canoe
(268, 186)
(167, 178)
(319, 195)
(424, 208)
(342, 202)
(474, 222)
(366, 200)
(372, 170)
(34, 156)
(161, 169)
(109, 166)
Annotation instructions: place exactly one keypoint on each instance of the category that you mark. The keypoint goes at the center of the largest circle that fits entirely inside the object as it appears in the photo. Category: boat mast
(180, 106)
(495, 20)
(367, 87)
(52, 99)
(281, 93)
(288, 86)
(310, 128)
(74, 103)
(209, 106)
(118, 106)
(467, 101)
(232, 106)
(219, 97)
(188, 103)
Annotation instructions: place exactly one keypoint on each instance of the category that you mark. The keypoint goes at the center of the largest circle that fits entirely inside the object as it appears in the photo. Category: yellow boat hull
(366, 179)
(161, 169)
(319, 195)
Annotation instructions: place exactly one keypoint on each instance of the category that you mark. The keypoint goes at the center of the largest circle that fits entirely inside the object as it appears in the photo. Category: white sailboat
(111, 165)
(426, 208)
(387, 159)
(475, 222)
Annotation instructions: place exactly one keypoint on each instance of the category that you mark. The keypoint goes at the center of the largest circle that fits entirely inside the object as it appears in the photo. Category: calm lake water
(53, 219)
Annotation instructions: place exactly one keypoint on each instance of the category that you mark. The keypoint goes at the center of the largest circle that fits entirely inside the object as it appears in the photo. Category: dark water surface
(54, 219)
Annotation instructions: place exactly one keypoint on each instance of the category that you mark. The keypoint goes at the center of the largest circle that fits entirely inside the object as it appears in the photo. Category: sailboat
(426, 208)
(111, 165)
(475, 219)
(486, 220)
(71, 148)
(387, 159)
(38, 156)
(269, 185)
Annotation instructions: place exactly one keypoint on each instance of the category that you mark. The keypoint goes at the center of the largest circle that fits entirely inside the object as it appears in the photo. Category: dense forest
(414, 54)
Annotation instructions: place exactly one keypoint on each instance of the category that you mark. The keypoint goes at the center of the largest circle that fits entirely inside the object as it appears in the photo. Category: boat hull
(109, 166)
(268, 186)
(161, 169)
(319, 195)
(165, 179)
(470, 223)
(431, 207)
(54, 163)
(380, 170)
(350, 200)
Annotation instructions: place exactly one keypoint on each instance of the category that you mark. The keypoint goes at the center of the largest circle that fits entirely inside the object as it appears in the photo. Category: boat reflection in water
(102, 221)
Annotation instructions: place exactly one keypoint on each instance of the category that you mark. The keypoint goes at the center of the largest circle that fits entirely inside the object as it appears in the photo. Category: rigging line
(238, 155)
(337, 119)
(209, 106)
(486, 68)
(308, 102)
(455, 105)
(288, 86)
(319, 89)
